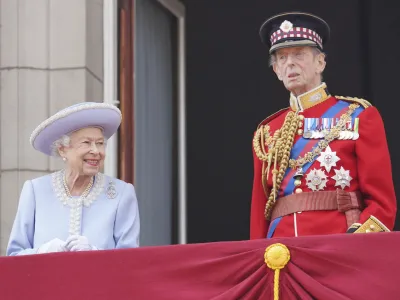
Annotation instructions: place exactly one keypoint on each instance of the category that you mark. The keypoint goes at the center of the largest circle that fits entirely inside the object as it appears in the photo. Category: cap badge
(286, 26)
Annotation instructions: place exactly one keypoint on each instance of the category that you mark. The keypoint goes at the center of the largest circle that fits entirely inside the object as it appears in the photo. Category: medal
(307, 128)
(307, 134)
(328, 159)
(342, 178)
(299, 173)
(316, 180)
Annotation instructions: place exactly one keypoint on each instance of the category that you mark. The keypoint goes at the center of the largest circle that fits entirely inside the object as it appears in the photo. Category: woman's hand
(55, 245)
(78, 243)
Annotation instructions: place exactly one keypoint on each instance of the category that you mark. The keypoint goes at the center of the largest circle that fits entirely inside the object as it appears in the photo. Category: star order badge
(342, 178)
(328, 159)
(316, 180)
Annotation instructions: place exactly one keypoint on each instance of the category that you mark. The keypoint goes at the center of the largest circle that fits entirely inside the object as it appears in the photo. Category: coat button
(298, 191)
(300, 131)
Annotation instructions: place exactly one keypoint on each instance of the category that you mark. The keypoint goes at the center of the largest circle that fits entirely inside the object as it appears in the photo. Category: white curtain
(154, 124)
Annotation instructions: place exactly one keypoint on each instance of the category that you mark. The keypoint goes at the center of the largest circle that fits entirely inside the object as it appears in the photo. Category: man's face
(299, 68)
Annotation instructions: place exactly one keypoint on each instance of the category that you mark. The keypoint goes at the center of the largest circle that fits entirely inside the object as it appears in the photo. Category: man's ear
(277, 72)
(321, 63)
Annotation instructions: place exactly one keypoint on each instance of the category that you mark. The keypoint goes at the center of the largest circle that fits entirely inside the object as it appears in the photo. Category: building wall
(51, 56)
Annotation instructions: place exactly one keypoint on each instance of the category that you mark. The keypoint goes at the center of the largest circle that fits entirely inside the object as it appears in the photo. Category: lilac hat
(78, 116)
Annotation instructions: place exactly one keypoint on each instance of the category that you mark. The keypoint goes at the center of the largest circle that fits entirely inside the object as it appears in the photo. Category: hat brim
(105, 116)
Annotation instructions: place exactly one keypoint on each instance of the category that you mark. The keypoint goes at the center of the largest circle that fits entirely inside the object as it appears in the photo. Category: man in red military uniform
(322, 165)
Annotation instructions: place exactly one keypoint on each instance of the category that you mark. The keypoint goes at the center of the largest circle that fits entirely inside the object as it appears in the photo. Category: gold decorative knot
(276, 256)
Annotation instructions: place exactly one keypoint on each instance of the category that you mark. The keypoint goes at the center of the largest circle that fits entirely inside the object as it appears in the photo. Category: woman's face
(86, 151)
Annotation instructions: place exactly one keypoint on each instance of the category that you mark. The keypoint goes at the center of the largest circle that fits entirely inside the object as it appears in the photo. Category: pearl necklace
(90, 194)
(85, 192)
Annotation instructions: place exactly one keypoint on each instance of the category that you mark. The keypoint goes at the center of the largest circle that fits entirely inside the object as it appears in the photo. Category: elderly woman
(77, 208)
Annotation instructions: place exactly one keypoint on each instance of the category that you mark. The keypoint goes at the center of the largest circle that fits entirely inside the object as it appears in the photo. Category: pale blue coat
(109, 222)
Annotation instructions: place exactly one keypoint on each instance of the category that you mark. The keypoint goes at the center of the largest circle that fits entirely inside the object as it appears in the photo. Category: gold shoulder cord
(361, 101)
(280, 146)
(279, 149)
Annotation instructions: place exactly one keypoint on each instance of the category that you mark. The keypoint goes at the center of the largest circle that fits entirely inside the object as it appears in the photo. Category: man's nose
(290, 60)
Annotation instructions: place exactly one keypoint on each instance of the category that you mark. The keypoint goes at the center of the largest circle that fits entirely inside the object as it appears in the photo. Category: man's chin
(293, 86)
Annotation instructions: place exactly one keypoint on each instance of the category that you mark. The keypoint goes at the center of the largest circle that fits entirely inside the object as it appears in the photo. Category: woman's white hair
(61, 142)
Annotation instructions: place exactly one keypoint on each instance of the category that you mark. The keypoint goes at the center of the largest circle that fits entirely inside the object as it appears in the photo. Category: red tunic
(368, 161)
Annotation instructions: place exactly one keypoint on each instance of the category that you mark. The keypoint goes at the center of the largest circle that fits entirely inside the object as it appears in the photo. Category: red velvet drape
(337, 267)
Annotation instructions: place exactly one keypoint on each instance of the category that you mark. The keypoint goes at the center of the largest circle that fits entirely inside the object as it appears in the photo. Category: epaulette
(361, 101)
(271, 117)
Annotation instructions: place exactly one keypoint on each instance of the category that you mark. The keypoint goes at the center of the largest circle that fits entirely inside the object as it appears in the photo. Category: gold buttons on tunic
(301, 117)
(300, 131)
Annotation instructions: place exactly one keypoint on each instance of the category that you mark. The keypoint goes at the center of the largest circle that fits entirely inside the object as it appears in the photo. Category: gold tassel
(276, 257)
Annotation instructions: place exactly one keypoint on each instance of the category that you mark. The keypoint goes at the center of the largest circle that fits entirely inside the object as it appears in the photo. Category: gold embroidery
(309, 99)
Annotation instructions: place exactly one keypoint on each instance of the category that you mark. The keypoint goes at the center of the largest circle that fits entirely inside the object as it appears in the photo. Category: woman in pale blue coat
(77, 208)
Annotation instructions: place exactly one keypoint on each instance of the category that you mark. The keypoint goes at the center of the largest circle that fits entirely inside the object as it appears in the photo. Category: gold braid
(281, 151)
(262, 134)
(258, 148)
